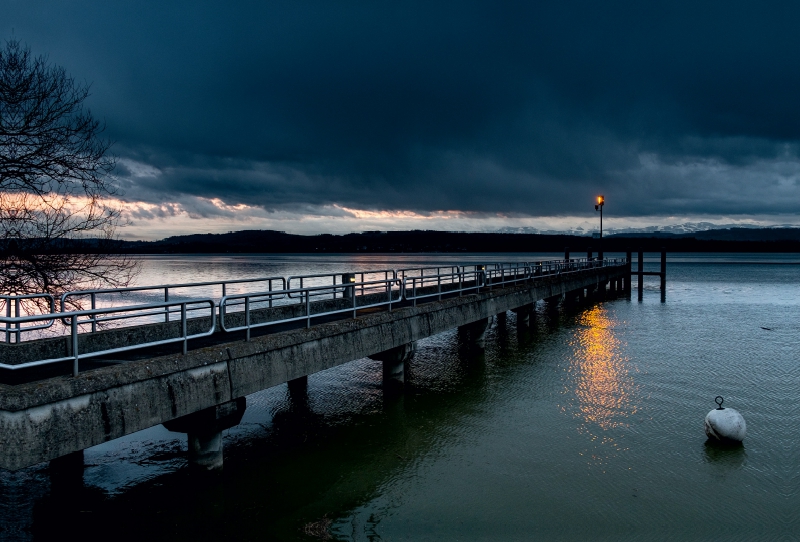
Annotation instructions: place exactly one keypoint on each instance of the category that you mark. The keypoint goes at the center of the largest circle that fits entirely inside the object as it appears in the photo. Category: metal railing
(441, 275)
(431, 271)
(252, 301)
(134, 311)
(301, 282)
(15, 329)
(162, 289)
(502, 275)
(255, 308)
(447, 283)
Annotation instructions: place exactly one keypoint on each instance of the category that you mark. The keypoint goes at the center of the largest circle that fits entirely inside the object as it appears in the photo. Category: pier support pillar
(641, 273)
(525, 314)
(298, 386)
(66, 473)
(298, 392)
(476, 331)
(394, 365)
(204, 432)
(628, 256)
(205, 451)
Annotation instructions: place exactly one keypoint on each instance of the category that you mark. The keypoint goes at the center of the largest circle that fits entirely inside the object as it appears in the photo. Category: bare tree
(58, 205)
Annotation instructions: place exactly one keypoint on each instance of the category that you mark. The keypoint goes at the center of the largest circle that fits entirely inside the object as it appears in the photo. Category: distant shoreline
(783, 240)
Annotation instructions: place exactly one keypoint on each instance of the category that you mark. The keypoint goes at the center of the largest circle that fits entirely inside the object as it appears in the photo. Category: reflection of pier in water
(115, 391)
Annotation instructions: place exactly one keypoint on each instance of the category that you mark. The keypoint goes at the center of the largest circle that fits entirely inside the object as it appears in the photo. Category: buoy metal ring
(719, 400)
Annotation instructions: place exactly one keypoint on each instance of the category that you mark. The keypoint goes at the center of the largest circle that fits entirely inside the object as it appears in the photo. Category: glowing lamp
(601, 200)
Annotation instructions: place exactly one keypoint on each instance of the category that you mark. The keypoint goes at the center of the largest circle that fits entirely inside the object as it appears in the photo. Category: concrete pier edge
(48, 419)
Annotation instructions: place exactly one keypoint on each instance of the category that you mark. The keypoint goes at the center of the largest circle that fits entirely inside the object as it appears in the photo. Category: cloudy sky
(337, 116)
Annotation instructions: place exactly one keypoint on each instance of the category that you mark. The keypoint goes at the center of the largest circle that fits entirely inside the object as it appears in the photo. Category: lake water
(587, 426)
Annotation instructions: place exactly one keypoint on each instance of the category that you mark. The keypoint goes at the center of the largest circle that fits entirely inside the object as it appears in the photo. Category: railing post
(17, 325)
(663, 270)
(184, 328)
(8, 315)
(166, 300)
(247, 317)
(308, 309)
(74, 332)
(94, 316)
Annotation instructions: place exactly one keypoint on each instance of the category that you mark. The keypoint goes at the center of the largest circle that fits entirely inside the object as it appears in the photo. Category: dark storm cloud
(489, 107)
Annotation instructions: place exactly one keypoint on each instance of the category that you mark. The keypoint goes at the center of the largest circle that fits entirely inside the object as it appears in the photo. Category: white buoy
(725, 424)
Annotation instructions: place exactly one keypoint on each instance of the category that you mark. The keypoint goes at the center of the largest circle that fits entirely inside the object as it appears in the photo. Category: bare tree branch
(58, 212)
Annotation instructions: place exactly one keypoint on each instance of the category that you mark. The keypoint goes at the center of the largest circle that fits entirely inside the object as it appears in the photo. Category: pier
(641, 273)
(72, 379)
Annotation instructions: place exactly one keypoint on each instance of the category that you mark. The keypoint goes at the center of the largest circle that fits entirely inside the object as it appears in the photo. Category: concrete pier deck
(47, 419)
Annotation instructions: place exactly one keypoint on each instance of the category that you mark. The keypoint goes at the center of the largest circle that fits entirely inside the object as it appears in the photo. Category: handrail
(409, 271)
(93, 293)
(411, 281)
(306, 293)
(478, 278)
(388, 274)
(74, 318)
(17, 330)
(508, 274)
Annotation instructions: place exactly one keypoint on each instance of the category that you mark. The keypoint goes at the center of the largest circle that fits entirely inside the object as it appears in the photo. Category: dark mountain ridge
(271, 241)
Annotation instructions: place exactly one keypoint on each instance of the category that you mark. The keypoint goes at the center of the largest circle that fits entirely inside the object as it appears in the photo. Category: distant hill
(271, 241)
(725, 234)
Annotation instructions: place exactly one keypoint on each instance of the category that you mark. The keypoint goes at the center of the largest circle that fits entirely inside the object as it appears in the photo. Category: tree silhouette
(58, 205)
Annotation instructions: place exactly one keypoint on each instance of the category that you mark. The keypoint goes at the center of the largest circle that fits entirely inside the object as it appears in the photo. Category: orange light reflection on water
(601, 380)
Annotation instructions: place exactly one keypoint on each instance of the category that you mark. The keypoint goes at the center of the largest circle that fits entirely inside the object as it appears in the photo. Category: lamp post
(601, 200)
